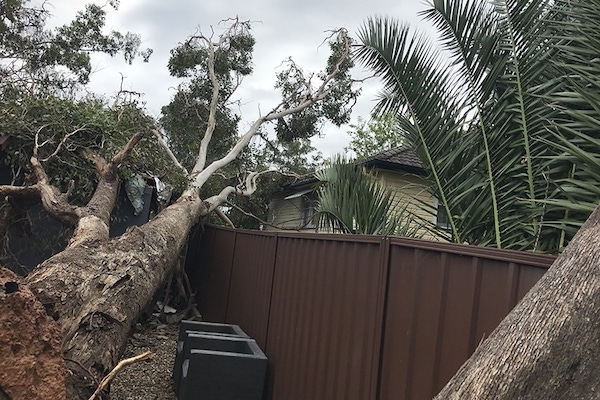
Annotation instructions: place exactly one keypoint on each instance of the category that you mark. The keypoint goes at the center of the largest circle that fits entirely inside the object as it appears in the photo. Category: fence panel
(358, 317)
(442, 301)
(251, 283)
(325, 322)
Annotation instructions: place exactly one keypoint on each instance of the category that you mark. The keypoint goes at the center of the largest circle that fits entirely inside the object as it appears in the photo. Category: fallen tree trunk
(548, 346)
(96, 290)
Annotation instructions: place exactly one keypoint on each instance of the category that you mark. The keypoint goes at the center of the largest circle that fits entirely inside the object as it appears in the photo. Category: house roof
(400, 158)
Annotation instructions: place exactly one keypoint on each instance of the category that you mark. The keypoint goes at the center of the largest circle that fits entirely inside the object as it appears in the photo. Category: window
(309, 204)
(441, 216)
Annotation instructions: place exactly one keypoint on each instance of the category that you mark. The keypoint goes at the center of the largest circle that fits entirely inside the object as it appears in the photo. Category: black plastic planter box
(222, 368)
(208, 328)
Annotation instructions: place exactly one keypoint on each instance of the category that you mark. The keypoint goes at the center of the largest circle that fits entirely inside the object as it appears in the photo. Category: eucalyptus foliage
(295, 84)
(487, 113)
(380, 134)
(43, 60)
(67, 135)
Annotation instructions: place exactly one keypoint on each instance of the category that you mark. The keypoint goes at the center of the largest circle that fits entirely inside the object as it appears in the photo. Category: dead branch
(224, 217)
(53, 201)
(111, 375)
(29, 192)
(168, 150)
(122, 91)
(38, 170)
(116, 161)
(94, 157)
(265, 223)
(37, 145)
(249, 214)
(58, 147)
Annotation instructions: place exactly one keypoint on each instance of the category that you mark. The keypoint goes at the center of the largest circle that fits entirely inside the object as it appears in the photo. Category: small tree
(379, 134)
(351, 200)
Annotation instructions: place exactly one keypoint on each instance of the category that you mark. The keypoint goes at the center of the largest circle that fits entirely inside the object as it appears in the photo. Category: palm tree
(576, 97)
(351, 200)
(485, 113)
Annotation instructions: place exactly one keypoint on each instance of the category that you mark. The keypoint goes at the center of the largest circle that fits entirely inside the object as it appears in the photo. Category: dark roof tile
(400, 158)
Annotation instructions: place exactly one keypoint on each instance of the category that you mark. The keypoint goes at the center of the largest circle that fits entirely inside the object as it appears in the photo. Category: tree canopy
(498, 112)
(371, 137)
(41, 60)
(196, 144)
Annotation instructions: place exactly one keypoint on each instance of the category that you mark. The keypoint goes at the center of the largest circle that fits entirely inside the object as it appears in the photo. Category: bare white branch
(246, 189)
(167, 149)
(211, 48)
(62, 142)
(215, 201)
(201, 176)
(212, 109)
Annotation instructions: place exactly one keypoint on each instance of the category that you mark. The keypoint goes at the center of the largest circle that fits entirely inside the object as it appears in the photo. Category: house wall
(409, 191)
(286, 214)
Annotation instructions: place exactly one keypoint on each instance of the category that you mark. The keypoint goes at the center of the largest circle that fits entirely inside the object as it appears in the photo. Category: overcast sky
(281, 29)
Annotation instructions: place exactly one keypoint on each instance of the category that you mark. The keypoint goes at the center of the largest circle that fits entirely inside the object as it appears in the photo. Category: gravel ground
(148, 379)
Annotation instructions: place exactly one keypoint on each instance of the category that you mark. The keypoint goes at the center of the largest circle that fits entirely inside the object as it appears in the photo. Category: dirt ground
(148, 379)
(35, 350)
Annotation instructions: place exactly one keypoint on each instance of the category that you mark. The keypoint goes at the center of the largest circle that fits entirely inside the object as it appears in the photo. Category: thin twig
(263, 222)
(111, 375)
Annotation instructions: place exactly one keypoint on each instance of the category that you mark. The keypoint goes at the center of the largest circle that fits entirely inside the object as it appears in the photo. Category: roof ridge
(400, 157)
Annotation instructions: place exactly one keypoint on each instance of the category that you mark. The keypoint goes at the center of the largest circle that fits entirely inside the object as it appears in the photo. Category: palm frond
(351, 200)
(416, 89)
(507, 127)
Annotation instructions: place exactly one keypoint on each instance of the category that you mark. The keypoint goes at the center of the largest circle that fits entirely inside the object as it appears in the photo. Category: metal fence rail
(357, 317)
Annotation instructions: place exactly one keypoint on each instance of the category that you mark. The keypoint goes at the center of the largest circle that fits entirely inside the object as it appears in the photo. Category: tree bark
(97, 289)
(548, 346)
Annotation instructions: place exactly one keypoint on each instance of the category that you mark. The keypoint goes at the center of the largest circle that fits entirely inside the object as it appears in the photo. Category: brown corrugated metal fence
(357, 317)
(325, 321)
